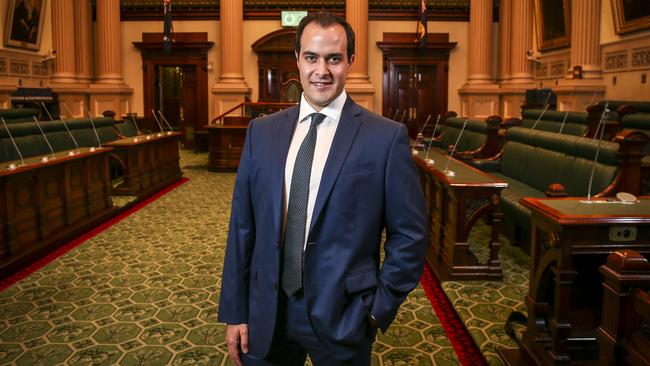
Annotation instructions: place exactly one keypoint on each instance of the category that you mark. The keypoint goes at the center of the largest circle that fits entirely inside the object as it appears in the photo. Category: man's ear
(351, 60)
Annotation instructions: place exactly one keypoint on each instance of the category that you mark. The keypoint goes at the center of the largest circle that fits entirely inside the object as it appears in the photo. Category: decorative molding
(19, 68)
(541, 70)
(457, 10)
(3, 66)
(615, 60)
(640, 57)
(557, 69)
(626, 55)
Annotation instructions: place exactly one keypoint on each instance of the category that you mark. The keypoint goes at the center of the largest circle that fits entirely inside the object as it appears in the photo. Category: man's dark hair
(326, 19)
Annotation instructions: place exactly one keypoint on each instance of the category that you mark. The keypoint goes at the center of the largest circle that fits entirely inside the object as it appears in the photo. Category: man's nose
(322, 68)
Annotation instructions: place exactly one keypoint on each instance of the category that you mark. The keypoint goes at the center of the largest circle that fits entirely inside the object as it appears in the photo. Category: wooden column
(480, 42)
(521, 41)
(63, 41)
(83, 40)
(232, 29)
(231, 89)
(358, 84)
(109, 67)
(505, 28)
(585, 38)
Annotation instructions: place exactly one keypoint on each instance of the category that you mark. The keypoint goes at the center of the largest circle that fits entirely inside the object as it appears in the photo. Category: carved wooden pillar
(109, 67)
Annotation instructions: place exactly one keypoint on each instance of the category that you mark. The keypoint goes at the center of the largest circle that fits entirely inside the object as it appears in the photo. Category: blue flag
(421, 33)
(168, 28)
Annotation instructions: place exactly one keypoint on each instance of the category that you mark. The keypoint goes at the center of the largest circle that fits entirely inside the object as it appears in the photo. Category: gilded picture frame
(24, 24)
(630, 15)
(553, 21)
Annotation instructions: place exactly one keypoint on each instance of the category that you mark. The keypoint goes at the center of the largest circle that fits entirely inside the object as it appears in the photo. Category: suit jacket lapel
(345, 134)
(282, 141)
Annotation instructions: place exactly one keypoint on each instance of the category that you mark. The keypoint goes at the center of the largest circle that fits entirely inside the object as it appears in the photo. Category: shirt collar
(332, 110)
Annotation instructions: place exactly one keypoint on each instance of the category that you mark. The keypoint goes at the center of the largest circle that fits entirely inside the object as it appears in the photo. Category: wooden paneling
(45, 203)
(151, 162)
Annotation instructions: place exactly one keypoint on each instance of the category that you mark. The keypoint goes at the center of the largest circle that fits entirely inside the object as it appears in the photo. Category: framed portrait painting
(631, 15)
(24, 24)
(553, 20)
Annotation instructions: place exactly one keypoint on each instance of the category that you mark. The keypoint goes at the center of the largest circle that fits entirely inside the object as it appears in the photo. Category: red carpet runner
(466, 350)
(10, 280)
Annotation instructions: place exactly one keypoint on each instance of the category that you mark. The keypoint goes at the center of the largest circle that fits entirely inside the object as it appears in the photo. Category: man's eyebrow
(312, 53)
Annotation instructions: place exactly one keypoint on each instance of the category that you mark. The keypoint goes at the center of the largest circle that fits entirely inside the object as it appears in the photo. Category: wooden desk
(570, 241)
(151, 162)
(454, 205)
(226, 144)
(46, 203)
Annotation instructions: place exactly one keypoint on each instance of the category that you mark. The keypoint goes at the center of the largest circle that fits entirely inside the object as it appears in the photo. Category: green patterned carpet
(145, 292)
(484, 306)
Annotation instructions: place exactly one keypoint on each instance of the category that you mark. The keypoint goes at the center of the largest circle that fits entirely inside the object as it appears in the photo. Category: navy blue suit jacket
(369, 184)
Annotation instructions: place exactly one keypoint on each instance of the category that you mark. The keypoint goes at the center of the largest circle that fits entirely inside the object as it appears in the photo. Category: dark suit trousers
(294, 338)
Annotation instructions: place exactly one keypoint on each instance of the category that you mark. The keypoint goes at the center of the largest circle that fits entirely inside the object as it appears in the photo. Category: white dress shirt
(324, 137)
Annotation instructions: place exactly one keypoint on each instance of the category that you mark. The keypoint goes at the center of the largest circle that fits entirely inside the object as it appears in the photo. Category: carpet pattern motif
(484, 306)
(145, 292)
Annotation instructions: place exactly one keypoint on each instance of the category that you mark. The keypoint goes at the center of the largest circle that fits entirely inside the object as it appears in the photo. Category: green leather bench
(534, 162)
(480, 139)
(31, 142)
(576, 124)
(17, 115)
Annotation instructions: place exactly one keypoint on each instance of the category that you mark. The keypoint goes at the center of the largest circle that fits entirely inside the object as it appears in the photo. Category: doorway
(415, 79)
(176, 83)
(175, 94)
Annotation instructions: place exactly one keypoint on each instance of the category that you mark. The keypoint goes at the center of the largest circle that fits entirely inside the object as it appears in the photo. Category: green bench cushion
(17, 115)
(577, 123)
(640, 122)
(473, 137)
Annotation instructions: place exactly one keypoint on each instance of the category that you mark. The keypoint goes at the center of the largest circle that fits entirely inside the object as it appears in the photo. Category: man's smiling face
(323, 63)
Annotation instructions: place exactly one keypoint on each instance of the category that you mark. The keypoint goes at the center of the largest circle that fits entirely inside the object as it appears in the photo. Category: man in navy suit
(317, 185)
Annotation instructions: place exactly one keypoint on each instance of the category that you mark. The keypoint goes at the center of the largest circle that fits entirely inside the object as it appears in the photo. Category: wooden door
(185, 105)
(415, 79)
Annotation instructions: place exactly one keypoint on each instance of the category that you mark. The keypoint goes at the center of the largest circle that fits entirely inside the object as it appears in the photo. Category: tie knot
(316, 119)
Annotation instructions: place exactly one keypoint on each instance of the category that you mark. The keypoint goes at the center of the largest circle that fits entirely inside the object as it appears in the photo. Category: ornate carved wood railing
(623, 337)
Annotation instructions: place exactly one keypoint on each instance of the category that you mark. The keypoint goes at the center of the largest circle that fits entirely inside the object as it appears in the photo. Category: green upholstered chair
(479, 139)
(532, 160)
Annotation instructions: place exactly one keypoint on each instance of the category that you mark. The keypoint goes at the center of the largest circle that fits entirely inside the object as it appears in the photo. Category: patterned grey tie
(294, 232)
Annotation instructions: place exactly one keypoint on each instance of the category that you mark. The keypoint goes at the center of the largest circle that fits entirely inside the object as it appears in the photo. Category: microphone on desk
(600, 140)
(447, 172)
(565, 115)
(403, 116)
(137, 130)
(70, 153)
(433, 136)
(166, 121)
(157, 121)
(99, 142)
(546, 105)
(44, 159)
(13, 166)
(419, 139)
